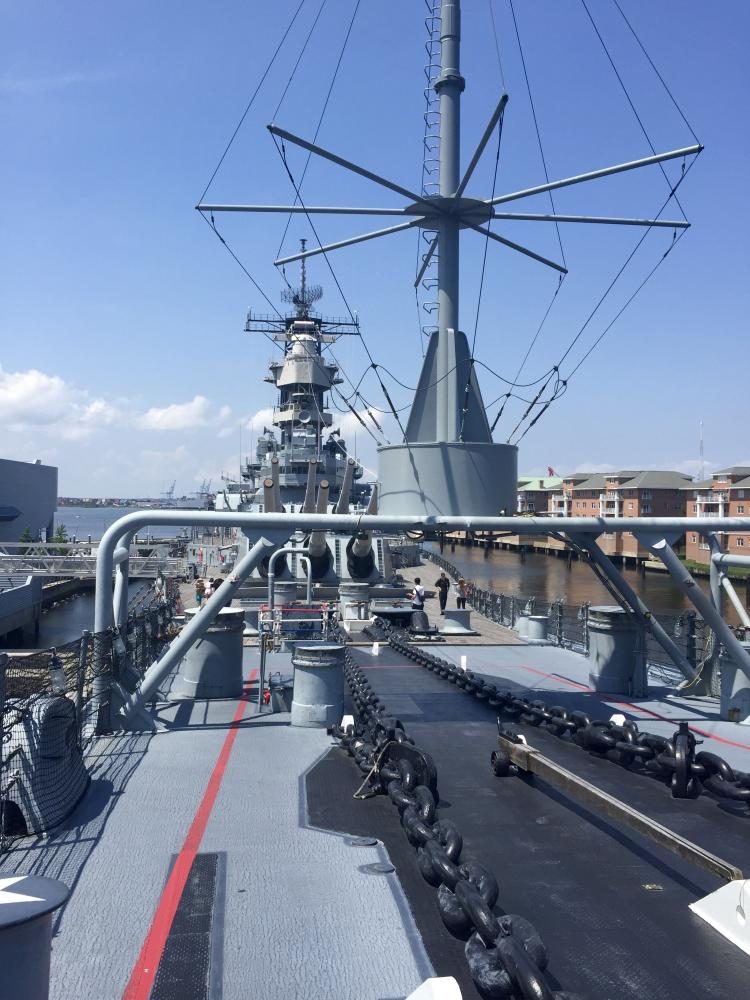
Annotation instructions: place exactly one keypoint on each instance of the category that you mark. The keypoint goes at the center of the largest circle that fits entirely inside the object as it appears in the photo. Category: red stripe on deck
(633, 708)
(144, 971)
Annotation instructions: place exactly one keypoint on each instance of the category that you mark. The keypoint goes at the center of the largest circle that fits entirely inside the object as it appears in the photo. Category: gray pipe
(661, 548)
(120, 600)
(619, 581)
(287, 550)
(734, 597)
(201, 622)
(342, 504)
(719, 579)
(277, 505)
(308, 505)
(351, 523)
(362, 544)
(317, 544)
(269, 497)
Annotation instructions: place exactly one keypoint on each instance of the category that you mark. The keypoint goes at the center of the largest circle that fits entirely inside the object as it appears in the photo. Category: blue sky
(122, 353)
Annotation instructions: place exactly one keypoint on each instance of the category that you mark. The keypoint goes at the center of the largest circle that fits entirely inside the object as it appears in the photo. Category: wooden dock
(489, 632)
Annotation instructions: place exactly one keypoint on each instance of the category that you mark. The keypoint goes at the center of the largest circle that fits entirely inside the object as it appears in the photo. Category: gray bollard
(616, 652)
(284, 593)
(318, 699)
(536, 628)
(735, 690)
(457, 621)
(27, 903)
(522, 626)
(212, 667)
(353, 601)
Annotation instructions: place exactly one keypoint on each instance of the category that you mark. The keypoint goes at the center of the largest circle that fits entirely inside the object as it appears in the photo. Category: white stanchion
(463, 663)
(376, 649)
(726, 910)
(439, 988)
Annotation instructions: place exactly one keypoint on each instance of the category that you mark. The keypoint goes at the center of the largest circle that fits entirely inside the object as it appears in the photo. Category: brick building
(726, 494)
(630, 493)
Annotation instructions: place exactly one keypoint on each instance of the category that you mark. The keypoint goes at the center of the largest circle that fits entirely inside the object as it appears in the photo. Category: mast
(448, 462)
(449, 86)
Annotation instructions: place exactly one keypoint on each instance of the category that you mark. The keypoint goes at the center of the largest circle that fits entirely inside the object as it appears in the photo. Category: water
(66, 620)
(84, 521)
(551, 579)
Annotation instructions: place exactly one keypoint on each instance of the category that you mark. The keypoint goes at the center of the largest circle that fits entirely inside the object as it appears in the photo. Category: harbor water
(80, 522)
(551, 579)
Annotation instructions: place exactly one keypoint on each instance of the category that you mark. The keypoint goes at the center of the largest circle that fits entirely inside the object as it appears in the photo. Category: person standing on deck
(417, 595)
(443, 586)
(461, 593)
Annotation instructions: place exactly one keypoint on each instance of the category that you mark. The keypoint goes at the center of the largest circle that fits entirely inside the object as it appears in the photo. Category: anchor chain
(673, 760)
(505, 954)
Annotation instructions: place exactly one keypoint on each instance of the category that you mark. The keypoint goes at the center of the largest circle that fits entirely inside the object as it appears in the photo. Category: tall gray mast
(448, 463)
(449, 85)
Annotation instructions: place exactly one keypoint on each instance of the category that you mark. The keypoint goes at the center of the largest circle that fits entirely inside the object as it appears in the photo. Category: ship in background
(305, 380)
(304, 466)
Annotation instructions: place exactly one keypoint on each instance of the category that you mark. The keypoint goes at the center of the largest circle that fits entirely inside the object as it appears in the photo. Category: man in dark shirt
(443, 586)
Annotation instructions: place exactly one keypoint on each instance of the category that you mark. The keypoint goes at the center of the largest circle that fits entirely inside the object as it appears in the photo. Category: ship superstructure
(305, 377)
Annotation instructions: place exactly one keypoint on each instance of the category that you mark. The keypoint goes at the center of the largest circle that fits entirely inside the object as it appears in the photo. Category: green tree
(61, 537)
(25, 538)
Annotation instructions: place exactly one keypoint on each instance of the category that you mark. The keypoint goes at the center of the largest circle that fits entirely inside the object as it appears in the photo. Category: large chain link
(671, 759)
(505, 954)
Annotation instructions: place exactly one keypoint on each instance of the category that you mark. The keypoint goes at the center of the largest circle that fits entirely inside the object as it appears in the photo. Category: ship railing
(297, 622)
(568, 626)
(39, 761)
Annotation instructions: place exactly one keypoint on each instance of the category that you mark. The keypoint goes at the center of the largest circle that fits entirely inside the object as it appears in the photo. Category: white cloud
(31, 397)
(176, 416)
(260, 419)
(35, 399)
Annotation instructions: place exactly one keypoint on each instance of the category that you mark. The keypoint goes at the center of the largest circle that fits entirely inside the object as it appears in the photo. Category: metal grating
(188, 964)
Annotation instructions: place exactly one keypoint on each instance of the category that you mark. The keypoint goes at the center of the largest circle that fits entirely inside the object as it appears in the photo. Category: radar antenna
(304, 296)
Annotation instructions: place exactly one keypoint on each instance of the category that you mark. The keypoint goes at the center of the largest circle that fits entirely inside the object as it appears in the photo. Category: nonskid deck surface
(286, 915)
(611, 907)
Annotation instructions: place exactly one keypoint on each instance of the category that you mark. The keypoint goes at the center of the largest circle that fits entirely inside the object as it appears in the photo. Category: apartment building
(726, 494)
(534, 493)
(630, 493)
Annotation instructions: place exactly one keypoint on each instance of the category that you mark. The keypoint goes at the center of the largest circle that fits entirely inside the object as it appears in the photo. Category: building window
(530, 505)
(740, 508)
(740, 541)
(740, 494)
(646, 508)
(630, 506)
(594, 505)
(693, 538)
(695, 508)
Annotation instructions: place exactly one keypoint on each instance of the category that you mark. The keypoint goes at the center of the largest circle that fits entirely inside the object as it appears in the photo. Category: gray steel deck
(297, 899)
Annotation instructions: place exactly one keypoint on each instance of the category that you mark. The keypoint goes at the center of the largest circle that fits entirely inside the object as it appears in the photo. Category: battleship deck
(297, 911)
(612, 907)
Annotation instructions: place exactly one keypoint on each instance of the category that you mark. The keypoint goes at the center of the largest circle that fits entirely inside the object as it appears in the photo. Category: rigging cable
(536, 127)
(552, 205)
(467, 388)
(212, 225)
(630, 102)
(658, 74)
(322, 113)
(675, 240)
(250, 103)
(282, 152)
(497, 45)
